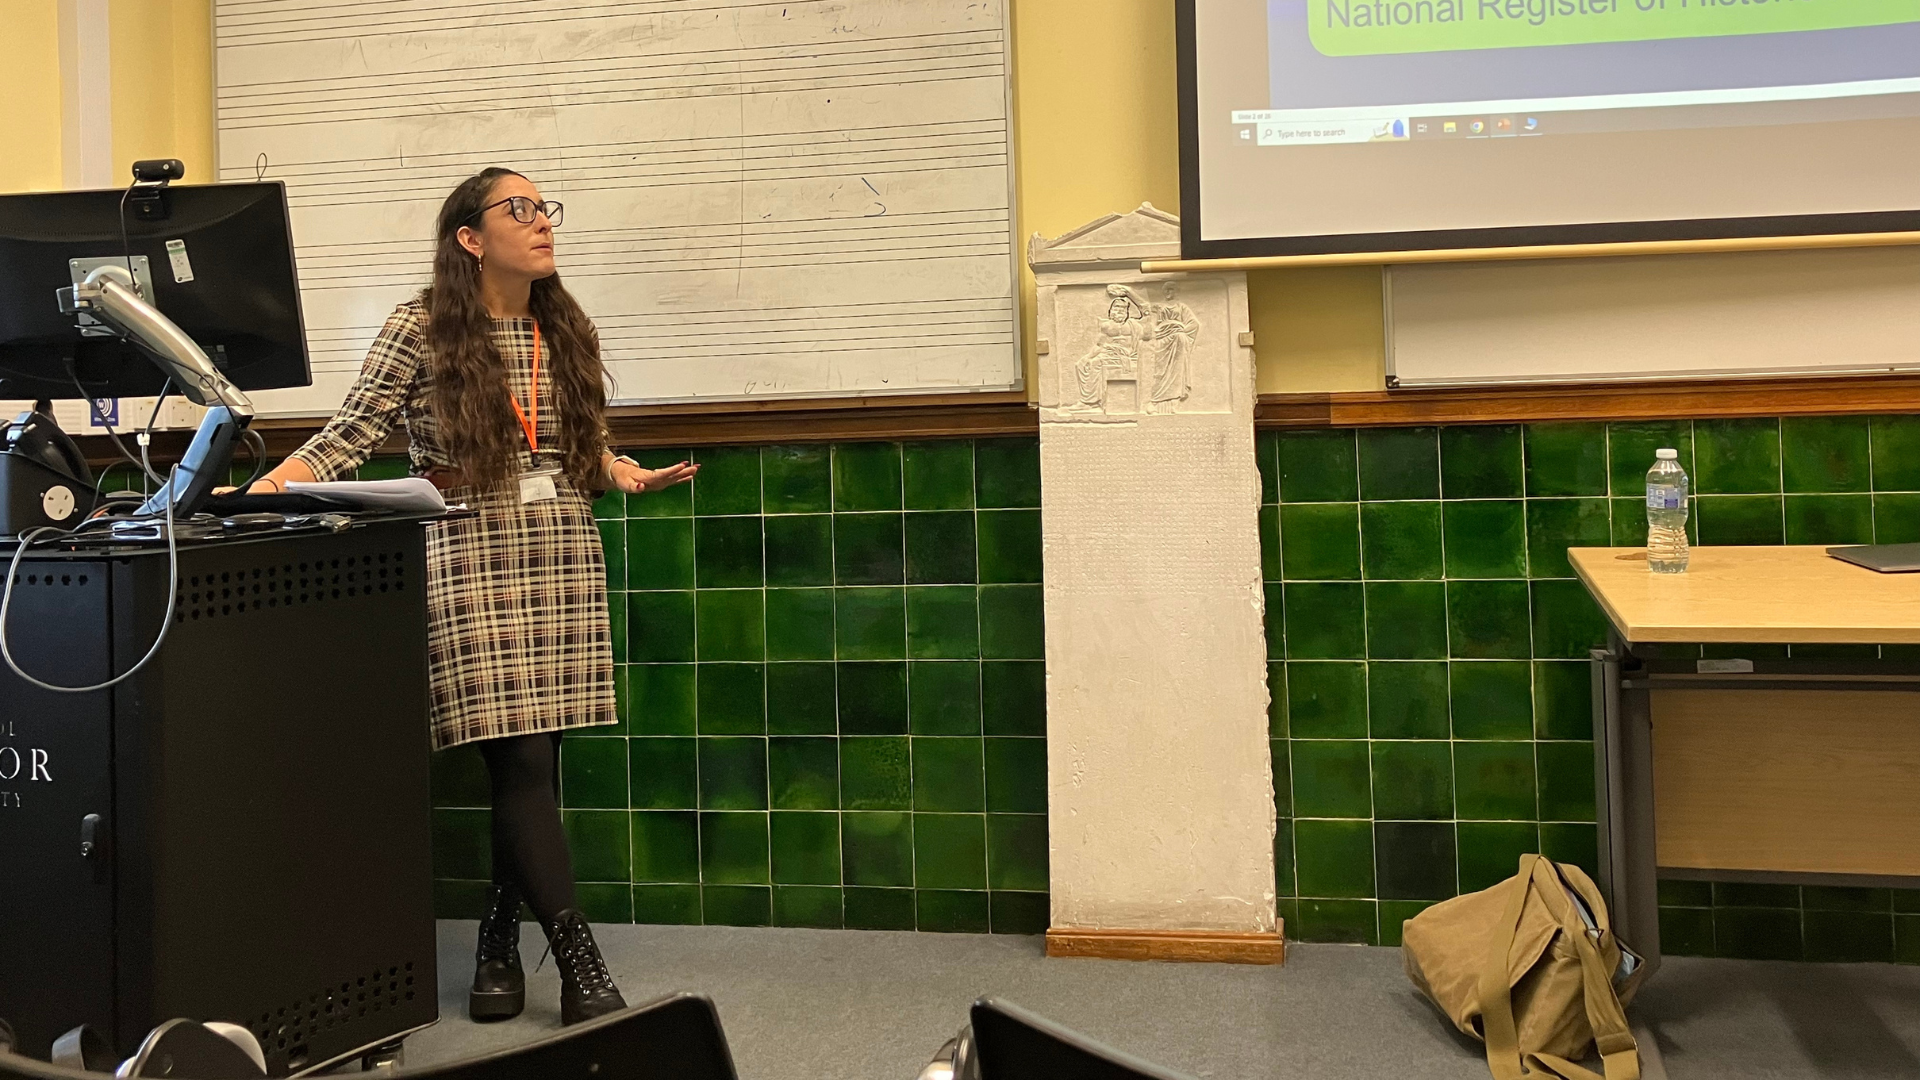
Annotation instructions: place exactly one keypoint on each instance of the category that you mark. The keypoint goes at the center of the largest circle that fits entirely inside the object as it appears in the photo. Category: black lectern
(239, 832)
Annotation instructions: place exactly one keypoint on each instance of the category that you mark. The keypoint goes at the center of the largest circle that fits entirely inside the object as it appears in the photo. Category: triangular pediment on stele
(1146, 233)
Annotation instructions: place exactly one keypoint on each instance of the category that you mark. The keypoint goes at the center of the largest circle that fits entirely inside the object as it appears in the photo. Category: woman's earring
(479, 263)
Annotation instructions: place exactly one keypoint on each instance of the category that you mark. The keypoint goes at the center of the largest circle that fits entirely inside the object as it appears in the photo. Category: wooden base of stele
(1194, 946)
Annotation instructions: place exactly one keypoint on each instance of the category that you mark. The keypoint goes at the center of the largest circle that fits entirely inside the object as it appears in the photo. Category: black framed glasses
(523, 209)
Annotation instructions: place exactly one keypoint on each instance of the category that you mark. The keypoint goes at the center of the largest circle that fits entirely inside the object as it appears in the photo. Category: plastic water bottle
(1667, 514)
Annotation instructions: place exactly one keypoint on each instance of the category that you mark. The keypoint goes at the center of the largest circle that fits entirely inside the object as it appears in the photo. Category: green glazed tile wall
(1427, 644)
(832, 696)
(834, 703)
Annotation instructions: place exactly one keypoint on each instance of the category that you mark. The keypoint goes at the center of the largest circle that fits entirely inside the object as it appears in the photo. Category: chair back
(1014, 1044)
(674, 1038)
(191, 1049)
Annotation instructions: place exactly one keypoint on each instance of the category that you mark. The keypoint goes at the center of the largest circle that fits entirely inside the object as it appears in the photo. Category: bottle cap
(1667, 455)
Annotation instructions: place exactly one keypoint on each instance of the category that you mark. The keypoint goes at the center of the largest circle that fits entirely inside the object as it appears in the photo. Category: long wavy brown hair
(471, 395)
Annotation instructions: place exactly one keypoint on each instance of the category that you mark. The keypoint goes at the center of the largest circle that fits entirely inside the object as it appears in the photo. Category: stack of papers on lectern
(411, 495)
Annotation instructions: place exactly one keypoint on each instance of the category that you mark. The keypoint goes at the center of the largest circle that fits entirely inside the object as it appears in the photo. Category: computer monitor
(217, 259)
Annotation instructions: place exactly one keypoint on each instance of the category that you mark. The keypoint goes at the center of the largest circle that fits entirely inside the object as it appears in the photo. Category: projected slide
(1343, 117)
(1364, 27)
(1364, 70)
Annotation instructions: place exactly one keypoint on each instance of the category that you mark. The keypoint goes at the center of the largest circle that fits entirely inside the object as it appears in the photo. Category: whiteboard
(1853, 311)
(803, 198)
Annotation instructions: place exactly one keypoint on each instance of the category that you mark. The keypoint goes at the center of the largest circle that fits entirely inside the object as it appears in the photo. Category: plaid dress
(518, 639)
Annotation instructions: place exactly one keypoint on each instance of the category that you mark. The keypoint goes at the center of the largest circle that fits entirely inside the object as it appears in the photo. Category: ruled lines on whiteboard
(867, 328)
(721, 73)
(301, 21)
(596, 166)
(677, 248)
(797, 198)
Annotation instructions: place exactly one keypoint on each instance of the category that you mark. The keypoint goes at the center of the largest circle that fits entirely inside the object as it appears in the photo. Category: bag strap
(1619, 1054)
(1497, 1027)
(1612, 1036)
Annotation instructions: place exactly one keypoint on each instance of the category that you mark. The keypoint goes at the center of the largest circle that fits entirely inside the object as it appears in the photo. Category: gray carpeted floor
(833, 1004)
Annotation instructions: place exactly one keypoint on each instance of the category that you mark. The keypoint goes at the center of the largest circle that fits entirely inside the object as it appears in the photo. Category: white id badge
(538, 486)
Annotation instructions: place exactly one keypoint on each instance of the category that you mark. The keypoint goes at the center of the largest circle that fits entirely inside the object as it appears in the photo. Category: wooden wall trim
(1699, 398)
(733, 423)
(1192, 946)
(713, 423)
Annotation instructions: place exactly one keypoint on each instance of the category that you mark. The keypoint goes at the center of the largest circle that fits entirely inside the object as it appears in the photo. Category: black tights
(529, 844)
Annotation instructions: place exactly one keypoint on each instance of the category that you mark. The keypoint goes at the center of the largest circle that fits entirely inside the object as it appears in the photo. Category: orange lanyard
(530, 425)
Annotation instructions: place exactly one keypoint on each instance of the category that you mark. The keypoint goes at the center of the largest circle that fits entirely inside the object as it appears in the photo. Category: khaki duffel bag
(1531, 968)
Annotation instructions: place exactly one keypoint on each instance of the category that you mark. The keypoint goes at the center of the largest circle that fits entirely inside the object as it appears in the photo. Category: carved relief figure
(1175, 333)
(1115, 352)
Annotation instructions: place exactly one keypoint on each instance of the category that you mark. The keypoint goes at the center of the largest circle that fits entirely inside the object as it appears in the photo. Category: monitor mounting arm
(109, 295)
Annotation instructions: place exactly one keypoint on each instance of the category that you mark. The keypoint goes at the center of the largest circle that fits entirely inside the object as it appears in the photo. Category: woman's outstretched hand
(634, 480)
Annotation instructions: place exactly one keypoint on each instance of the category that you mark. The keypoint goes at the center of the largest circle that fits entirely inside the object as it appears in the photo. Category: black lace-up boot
(586, 987)
(499, 984)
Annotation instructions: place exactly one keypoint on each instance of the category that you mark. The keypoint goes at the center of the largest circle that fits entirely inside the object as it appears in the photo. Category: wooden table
(1750, 595)
(1766, 764)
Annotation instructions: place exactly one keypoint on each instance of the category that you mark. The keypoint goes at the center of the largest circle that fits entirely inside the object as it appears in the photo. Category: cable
(108, 501)
(166, 618)
(145, 440)
(126, 246)
(145, 437)
(94, 408)
(154, 416)
(256, 446)
(93, 507)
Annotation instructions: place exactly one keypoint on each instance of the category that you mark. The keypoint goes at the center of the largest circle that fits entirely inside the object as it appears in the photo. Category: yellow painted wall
(30, 87)
(1095, 131)
(1318, 331)
(163, 83)
(162, 88)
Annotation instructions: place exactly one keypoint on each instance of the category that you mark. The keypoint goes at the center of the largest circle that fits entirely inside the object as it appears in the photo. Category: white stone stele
(1160, 784)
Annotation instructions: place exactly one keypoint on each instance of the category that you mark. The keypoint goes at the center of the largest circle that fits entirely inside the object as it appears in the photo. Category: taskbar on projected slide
(1511, 119)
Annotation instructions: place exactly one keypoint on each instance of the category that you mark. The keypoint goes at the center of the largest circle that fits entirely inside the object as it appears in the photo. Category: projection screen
(1314, 126)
